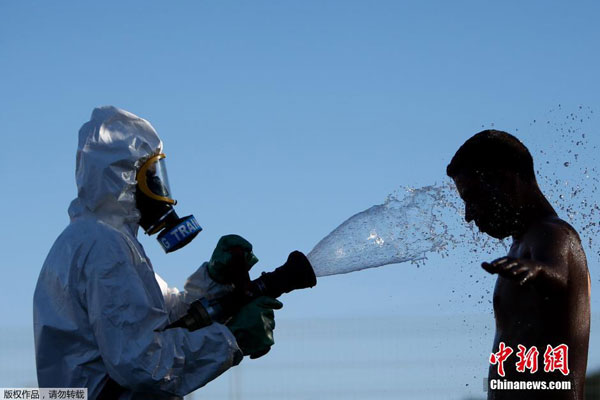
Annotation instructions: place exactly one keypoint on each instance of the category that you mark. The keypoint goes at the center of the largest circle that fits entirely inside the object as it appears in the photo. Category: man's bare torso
(545, 310)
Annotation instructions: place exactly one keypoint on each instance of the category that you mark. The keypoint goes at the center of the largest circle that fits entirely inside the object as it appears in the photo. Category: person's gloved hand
(231, 260)
(253, 326)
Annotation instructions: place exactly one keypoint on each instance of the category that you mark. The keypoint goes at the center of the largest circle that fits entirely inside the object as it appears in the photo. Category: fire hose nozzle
(296, 273)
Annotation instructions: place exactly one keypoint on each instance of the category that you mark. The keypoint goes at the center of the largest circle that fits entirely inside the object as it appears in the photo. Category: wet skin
(542, 294)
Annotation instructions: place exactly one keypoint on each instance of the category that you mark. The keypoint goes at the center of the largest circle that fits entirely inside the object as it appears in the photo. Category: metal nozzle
(296, 273)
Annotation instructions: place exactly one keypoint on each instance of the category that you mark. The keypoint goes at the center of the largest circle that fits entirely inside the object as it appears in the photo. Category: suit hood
(113, 144)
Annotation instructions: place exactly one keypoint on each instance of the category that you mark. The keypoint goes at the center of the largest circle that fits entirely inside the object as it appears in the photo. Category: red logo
(555, 358)
(501, 356)
(527, 359)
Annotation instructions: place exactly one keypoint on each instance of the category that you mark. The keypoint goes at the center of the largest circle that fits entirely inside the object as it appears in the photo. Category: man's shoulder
(553, 228)
(554, 236)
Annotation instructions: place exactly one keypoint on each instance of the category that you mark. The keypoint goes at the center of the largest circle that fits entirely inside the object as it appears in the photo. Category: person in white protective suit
(98, 304)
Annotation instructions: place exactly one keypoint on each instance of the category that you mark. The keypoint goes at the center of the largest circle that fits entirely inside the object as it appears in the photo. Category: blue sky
(280, 120)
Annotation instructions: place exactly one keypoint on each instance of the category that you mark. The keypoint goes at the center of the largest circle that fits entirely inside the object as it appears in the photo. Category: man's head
(494, 175)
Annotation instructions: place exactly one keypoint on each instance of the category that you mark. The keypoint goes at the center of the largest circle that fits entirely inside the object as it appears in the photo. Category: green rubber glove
(253, 326)
(231, 260)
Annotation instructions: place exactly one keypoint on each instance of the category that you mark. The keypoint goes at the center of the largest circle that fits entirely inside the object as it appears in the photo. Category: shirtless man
(542, 294)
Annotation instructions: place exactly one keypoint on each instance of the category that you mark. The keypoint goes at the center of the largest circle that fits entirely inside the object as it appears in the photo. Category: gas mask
(155, 203)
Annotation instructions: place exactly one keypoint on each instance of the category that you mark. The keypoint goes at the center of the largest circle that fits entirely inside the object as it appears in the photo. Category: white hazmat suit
(98, 299)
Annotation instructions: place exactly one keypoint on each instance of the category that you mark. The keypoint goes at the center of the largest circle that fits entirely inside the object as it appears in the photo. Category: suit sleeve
(198, 285)
(125, 306)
